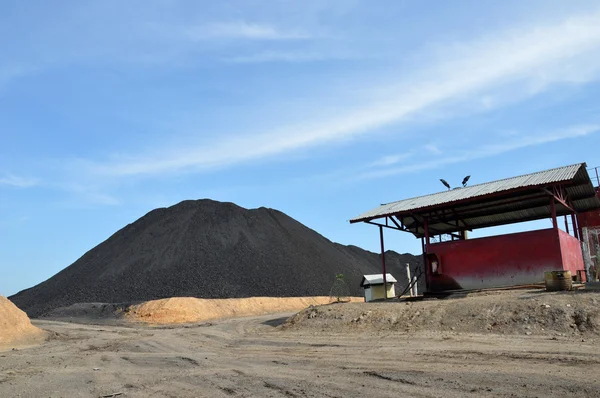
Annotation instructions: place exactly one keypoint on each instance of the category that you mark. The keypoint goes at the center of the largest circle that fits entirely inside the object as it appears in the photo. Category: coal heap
(209, 249)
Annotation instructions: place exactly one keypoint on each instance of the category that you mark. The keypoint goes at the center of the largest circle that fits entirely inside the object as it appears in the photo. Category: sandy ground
(256, 357)
(190, 309)
(184, 309)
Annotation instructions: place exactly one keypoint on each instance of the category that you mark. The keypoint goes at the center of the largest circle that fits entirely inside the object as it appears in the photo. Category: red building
(442, 221)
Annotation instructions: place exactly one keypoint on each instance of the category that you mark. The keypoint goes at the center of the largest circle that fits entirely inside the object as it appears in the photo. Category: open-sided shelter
(453, 262)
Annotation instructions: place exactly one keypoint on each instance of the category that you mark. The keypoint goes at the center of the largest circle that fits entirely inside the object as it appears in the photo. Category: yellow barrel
(558, 280)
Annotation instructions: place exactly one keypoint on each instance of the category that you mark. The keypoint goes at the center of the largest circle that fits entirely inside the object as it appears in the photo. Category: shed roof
(377, 279)
(511, 200)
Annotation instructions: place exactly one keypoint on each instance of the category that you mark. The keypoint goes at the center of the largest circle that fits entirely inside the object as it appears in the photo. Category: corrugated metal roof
(540, 178)
(377, 279)
(504, 201)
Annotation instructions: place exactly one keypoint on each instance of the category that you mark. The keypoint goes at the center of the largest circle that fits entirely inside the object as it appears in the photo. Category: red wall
(503, 260)
(572, 256)
(589, 218)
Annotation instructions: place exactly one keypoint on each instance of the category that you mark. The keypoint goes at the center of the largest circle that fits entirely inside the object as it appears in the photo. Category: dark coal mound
(209, 249)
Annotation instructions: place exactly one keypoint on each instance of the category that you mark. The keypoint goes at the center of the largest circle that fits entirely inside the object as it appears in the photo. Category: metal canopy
(511, 200)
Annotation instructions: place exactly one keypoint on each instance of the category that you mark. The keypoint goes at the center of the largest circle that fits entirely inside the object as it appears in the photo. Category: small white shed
(373, 285)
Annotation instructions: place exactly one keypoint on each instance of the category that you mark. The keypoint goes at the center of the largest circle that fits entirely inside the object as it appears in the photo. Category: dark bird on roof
(445, 183)
(465, 180)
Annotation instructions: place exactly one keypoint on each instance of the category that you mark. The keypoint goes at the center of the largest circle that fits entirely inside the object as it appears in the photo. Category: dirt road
(251, 357)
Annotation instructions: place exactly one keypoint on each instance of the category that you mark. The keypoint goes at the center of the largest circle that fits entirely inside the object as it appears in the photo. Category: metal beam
(384, 226)
(506, 222)
(553, 212)
(395, 222)
(543, 201)
(576, 230)
(560, 199)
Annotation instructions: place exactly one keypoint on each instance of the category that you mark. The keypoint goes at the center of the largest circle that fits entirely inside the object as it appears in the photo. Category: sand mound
(507, 312)
(15, 327)
(188, 309)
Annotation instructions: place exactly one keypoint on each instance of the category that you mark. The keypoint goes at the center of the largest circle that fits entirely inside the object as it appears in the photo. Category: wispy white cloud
(534, 59)
(91, 195)
(11, 72)
(86, 195)
(390, 160)
(287, 56)
(485, 151)
(18, 181)
(433, 149)
(22, 220)
(243, 30)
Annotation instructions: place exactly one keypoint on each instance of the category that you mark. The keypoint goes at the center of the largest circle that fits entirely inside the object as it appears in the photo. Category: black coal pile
(209, 249)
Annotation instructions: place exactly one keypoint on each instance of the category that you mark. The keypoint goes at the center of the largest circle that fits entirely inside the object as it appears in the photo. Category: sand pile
(15, 327)
(183, 309)
(506, 312)
(189, 309)
(209, 249)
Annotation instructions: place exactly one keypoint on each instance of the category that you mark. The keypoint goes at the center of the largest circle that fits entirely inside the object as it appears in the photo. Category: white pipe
(414, 292)
(408, 278)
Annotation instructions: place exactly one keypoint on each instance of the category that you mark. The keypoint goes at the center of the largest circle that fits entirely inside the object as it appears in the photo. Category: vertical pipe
(383, 263)
(553, 211)
(408, 278)
(415, 291)
(426, 227)
(425, 267)
(566, 225)
(575, 229)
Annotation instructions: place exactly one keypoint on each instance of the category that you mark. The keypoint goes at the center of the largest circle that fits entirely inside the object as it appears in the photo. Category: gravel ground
(513, 312)
(253, 357)
(209, 249)
(325, 355)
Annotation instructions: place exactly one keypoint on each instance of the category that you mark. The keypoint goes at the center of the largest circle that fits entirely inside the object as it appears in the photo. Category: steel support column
(576, 230)
(425, 268)
(427, 242)
(553, 211)
(566, 225)
(383, 262)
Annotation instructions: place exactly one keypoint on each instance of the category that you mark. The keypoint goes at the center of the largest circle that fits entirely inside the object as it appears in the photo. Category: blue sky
(322, 109)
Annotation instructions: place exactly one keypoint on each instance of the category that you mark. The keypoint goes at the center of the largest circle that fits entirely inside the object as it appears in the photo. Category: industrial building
(454, 262)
